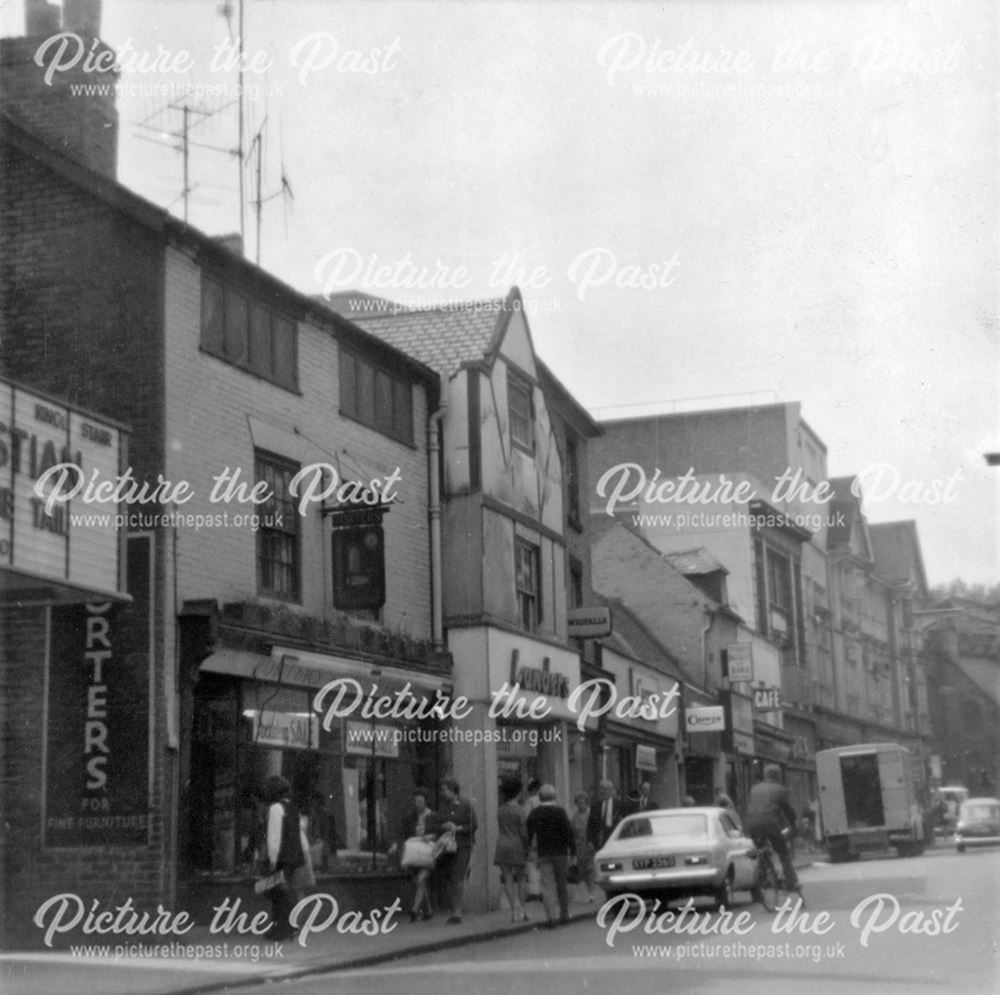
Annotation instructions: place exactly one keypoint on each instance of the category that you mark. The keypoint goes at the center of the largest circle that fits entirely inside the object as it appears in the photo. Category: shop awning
(285, 665)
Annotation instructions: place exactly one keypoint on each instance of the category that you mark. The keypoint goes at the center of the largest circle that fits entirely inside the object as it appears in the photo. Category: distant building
(963, 662)
(873, 676)
(740, 483)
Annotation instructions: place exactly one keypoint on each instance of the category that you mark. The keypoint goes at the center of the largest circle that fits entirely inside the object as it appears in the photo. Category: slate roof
(441, 338)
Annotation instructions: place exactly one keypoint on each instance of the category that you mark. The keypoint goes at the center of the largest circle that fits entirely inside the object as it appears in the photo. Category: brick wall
(74, 110)
(209, 403)
(31, 873)
(81, 305)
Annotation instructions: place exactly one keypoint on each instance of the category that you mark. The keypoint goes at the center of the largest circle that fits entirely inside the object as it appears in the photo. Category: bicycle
(769, 886)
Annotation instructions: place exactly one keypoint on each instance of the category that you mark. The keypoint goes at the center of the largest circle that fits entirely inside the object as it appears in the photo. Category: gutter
(434, 456)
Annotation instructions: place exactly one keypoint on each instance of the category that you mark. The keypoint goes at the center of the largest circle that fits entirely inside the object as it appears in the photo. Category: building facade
(744, 484)
(275, 509)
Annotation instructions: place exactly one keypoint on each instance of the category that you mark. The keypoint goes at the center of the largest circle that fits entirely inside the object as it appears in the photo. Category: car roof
(679, 810)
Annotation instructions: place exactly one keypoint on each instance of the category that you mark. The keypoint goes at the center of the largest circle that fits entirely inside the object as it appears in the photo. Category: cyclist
(768, 813)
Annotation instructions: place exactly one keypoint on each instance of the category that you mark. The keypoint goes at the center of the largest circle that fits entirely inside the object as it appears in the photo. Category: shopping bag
(268, 882)
(417, 853)
(446, 844)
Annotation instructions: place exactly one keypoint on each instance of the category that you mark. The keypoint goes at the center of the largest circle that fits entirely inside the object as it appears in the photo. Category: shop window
(246, 333)
(520, 413)
(526, 579)
(352, 798)
(278, 546)
(374, 396)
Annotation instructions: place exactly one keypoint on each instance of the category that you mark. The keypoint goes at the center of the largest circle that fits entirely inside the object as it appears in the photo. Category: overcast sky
(789, 200)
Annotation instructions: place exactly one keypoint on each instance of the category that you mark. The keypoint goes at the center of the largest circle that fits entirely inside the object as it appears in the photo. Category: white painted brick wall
(207, 428)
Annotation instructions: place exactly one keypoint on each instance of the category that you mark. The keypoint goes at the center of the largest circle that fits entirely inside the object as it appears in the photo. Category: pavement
(200, 962)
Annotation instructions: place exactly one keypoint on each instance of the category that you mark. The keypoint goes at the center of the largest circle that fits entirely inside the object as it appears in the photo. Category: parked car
(978, 823)
(669, 853)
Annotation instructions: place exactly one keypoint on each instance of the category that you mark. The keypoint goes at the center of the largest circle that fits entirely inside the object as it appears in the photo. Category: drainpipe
(434, 454)
(710, 617)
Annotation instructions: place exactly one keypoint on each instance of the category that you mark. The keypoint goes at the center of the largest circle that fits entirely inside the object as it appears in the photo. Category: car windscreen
(681, 824)
(980, 810)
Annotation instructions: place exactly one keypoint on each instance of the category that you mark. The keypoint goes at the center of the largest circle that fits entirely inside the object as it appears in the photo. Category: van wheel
(960, 847)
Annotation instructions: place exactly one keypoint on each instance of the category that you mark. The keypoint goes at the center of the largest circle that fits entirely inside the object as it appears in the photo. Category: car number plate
(652, 863)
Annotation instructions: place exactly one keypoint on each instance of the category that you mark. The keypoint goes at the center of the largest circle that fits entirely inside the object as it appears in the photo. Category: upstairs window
(244, 332)
(526, 582)
(375, 397)
(521, 413)
(278, 547)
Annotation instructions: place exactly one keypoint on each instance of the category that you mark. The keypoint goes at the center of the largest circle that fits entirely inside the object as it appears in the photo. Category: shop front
(354, 737)
(640, 730)
(704, 760)
(519, 720)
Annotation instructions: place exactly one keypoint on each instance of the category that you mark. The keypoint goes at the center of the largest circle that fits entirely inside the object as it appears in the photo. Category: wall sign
(38, 434)
(767, 699)
(97, 716)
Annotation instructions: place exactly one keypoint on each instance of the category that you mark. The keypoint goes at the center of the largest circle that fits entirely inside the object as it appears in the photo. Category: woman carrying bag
(420, 831)
(284, 853)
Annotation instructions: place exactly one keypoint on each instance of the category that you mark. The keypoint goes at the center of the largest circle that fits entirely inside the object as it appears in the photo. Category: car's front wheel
(725, 894)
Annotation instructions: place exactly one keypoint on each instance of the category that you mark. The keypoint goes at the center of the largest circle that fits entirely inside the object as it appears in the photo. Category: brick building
(259, 590)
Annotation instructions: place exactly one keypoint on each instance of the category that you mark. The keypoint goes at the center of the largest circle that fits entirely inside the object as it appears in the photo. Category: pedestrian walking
(584, 848)
(605, 814)
(511, 854)
(534, 881)
(421, 824)
(550, 831)
(284, 853)
(459, 818)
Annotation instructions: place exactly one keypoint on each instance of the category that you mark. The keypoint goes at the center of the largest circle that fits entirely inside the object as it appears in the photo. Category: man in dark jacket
(550, 830)
(768, 813)
(605, 814)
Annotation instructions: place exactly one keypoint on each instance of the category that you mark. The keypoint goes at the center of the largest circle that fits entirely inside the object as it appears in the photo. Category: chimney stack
(83, 124)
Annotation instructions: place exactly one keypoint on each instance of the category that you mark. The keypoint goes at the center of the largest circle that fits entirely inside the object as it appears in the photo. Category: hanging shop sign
(48, 443)
(739, 657)
(645, 757)
(588, 623)
(740, 736)
(707, 719)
